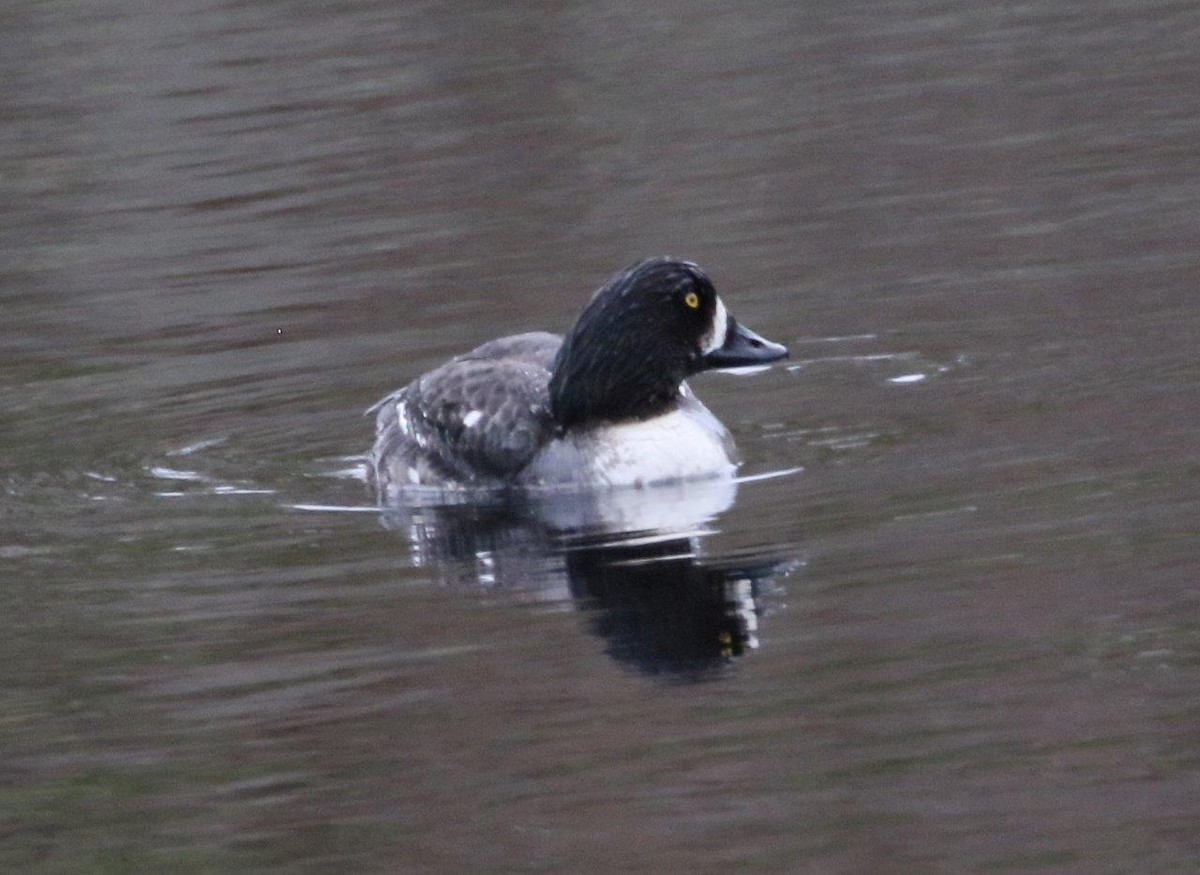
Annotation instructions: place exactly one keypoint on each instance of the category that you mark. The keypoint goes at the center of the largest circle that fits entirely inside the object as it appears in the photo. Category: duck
(608, 405)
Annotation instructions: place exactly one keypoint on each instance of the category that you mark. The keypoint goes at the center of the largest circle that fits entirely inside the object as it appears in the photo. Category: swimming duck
(607, 405)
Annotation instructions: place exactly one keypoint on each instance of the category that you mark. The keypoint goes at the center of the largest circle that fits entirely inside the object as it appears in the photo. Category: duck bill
(743, 347)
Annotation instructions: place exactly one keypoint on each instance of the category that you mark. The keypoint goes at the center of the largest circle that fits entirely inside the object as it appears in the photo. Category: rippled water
(963, 636)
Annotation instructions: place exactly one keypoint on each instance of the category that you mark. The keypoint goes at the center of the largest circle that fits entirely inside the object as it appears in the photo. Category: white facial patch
(471, 418)
(715, 337)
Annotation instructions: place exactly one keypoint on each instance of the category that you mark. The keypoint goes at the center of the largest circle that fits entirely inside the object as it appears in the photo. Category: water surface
(965, 636)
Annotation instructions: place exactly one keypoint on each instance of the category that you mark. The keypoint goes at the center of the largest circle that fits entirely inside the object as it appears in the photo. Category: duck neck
(587, 388)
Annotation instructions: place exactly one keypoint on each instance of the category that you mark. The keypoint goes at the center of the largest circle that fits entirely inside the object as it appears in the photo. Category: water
(965, 636)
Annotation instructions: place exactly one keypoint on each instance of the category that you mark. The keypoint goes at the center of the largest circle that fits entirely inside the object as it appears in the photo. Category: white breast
(686, 444)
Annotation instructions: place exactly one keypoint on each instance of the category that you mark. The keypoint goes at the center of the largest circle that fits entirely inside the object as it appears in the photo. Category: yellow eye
(692, 300)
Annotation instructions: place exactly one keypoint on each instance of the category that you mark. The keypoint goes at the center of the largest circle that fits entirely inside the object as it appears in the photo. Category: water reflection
(633, 560)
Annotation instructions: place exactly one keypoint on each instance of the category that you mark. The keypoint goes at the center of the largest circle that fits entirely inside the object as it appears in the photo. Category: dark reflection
(662, 610)
(634, 561)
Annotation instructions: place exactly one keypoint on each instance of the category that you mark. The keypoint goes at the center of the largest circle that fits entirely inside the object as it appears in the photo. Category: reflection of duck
(635, 566)
(663, 611)
(606, 406)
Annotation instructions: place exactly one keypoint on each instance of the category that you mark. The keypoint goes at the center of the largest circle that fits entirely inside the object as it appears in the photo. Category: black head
(643, 333)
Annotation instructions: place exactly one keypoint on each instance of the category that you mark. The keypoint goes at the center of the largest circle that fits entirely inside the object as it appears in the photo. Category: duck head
(643, 333)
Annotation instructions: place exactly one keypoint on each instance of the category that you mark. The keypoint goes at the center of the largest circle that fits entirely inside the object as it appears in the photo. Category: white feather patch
(715, 338)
